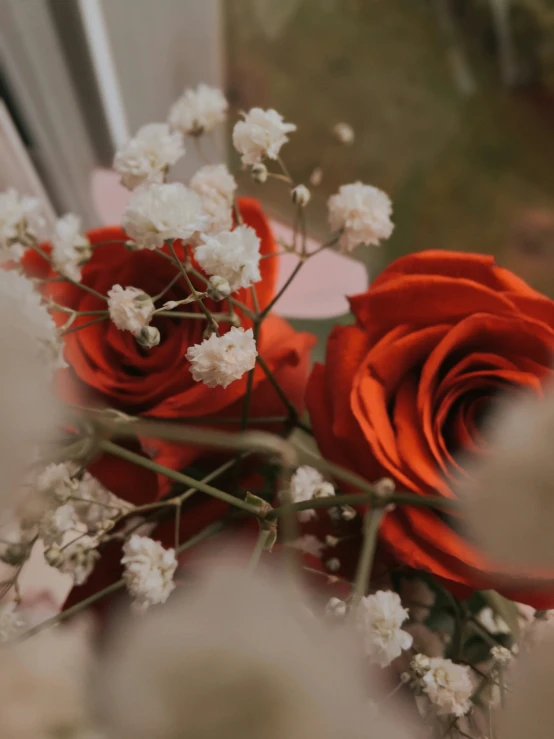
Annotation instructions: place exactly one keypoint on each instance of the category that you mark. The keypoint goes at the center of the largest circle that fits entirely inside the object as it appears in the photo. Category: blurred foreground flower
(529, 707)
(235, 657)
(511, 494)
(27, 407)
(43, 685)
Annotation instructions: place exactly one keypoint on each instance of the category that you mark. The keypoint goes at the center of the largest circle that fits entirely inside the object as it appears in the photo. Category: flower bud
(16, 553)
(344, 133)
(218, 288)
(53, 556)
(316, 177)
(259, 173)
(301, 195)
(336, 608)
(333, 564)
(148, 337)
(384, 487)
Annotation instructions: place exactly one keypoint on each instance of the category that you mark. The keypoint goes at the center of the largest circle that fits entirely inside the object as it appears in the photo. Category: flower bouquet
(264, 548)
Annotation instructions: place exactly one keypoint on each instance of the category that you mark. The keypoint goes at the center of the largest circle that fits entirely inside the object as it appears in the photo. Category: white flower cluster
(20, 221)
(216, 187)
(307, 483)
(78, 558)
(198, 110)
(219, 360)
(35, 320)
(162, 212)
(260, 135)
(447, 685)
(70, 248)
(379, 618)
(148, 155)
(233, 255)
(56, 483)
(149, 570)
(362, 213)
(73, 512)
(214, 182)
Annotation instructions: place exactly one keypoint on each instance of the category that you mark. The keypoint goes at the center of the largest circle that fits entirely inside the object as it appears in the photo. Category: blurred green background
(452, 102)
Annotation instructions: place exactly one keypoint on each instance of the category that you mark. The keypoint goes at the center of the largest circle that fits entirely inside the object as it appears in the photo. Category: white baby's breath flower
(333, 564)
(11, 621)
(219, 217)
(308, 544)
(198, 110)
(220, 360)
(130, 309)
(77, 558)
(216, 186)
(344, 133)
(379, 618)
(97, 506)
(233, 255)
(501, 656)
(149, 570)
(362, 213)
(55, 482)
(56, 523)
(158, 212)
(261, 134)
(307, 483)
(448, 686)
(336, 608)
(20, 220)
(214, 181)
(148, 155)
(70, 248)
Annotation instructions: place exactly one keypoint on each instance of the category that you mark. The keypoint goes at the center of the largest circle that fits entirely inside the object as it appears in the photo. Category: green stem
(258, 550)
(293, 415)
(122, 453)
(372, 522)
(285, 170)
(83, 325)
(193, 290)
(249, 384)
(64, 309)
(293, 274)
(50, 261)
(182, 314)
(261, 442)
(237, 303)
(236, 211)
(334, 501)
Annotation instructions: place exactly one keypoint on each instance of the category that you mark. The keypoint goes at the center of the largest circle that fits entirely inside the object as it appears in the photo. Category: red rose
(403, 392)
(108, 368)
